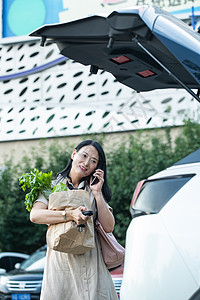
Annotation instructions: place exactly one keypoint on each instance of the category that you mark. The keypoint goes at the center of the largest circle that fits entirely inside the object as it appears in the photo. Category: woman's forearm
(105, 216)
(41, 215)
(45, 216)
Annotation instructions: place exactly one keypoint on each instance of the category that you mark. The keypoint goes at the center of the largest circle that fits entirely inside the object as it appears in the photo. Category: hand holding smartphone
(95, 180)
(87, 213)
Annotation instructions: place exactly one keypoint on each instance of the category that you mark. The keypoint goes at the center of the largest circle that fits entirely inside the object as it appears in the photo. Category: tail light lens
(134, 212)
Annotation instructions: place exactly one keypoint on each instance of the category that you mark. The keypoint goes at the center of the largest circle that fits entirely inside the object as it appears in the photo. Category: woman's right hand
(77, 215)
(41, 215)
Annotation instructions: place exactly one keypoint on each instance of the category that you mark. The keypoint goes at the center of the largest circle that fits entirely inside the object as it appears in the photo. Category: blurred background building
(45, 95)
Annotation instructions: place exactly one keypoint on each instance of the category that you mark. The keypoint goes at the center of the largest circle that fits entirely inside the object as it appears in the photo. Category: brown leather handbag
(113, 253)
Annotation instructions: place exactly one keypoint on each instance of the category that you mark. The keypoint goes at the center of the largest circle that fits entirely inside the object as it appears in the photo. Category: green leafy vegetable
(59, 188)
(37, 182)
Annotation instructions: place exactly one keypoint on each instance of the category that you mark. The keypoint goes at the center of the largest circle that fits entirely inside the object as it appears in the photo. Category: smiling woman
(84, 276)
(84, 163)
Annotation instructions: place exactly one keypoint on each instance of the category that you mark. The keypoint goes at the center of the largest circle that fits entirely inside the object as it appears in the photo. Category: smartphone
(87, 213)
(95, 180)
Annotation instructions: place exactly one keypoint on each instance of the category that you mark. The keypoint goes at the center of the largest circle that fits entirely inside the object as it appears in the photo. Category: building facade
(45, 95)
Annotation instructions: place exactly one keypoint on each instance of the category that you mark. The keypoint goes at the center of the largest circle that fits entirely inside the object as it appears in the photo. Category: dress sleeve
(42, 199)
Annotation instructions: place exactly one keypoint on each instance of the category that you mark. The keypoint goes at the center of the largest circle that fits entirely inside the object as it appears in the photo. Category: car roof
(193, 157)
(144, 47)
(16, 254)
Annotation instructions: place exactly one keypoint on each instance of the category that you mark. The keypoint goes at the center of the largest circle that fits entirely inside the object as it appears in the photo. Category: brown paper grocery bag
(65, 237)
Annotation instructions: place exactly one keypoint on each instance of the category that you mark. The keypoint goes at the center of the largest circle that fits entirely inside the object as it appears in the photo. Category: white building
(43, 94)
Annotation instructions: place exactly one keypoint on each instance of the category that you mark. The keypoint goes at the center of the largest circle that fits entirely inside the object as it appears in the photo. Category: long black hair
(101, 165)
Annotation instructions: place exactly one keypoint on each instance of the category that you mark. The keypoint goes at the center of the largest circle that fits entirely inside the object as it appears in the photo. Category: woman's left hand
(99, 174)
(105, 216)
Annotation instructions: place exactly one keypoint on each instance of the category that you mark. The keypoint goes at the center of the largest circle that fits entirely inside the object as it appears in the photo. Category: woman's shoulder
(59, 178)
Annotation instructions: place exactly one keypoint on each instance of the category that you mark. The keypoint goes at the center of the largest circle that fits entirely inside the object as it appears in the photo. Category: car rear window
(154, 194)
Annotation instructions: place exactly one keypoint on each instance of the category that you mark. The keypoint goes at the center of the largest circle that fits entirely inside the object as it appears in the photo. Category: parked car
(162, 258)
(25, 282)
(9, 259)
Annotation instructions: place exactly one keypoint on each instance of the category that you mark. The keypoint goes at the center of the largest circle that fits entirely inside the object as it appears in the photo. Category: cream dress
(77, 277)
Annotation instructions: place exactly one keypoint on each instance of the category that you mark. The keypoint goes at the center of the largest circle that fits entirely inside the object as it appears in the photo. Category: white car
(162, 259)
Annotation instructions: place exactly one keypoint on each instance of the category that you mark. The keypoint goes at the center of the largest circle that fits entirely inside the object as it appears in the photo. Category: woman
(85, 276)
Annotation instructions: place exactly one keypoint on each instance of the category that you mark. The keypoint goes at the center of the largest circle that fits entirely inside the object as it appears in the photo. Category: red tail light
(136, 192)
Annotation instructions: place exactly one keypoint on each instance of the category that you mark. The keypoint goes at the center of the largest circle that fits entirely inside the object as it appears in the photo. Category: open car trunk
(144, 47)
